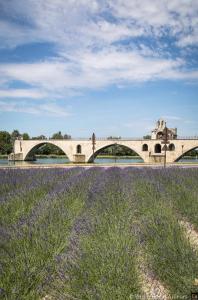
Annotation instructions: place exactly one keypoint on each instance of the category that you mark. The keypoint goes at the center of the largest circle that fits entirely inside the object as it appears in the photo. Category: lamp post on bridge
(93, 139)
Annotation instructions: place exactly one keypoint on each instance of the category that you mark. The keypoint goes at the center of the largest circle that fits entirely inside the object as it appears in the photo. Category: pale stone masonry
(150, 150)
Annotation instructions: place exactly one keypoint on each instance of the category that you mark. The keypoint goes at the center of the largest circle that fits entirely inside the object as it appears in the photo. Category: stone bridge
(80, 150)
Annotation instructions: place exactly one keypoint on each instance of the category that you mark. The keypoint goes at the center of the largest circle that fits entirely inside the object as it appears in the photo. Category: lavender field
(98, 233)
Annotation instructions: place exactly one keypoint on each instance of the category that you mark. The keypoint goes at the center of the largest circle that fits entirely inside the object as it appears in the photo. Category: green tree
(118, 150)
(192, 152)
(5, 142)
(147, 137)
(67, 137)
(114, 138)
(47, 149)
(57, 136)
(26, 136)
(15, 134)
(40, 137)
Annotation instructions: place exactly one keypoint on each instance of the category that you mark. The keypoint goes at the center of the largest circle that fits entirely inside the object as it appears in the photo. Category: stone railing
(187, 137)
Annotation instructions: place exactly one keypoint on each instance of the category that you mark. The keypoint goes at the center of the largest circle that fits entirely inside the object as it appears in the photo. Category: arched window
(78, 149)
(145, 147)
(158, 148)
(171, 147)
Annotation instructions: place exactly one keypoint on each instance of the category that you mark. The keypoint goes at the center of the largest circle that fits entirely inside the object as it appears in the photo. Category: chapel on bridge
(159, 131)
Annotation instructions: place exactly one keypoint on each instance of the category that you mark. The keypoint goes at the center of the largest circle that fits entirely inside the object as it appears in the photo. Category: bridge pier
(79, 158)
(19, 157)
(156, 158)
(15, 157)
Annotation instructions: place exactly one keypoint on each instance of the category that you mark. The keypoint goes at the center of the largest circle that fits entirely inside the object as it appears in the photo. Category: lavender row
(43, 234)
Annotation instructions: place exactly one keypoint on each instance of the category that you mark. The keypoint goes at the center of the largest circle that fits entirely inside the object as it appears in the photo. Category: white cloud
(49, 109)
(174, 118)
(53, 110)
(12, 35)
(189, 39)
(104, 32)
(89, 38)
(15, 107)
(22, 93)
(53, 21)
(91, 70)
(179, 16)
(72, 23)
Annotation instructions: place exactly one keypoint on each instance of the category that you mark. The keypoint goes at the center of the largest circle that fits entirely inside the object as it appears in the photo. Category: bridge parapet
(115, 139)
(89, 139)
(187, 138)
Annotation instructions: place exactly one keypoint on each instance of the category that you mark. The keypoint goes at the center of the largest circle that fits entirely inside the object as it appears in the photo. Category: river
(97, 161)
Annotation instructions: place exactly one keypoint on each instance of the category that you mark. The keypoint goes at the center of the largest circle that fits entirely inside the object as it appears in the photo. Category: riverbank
(101, 161)
(98, 156)
(90, 165)
(64, 156)
(40, 156)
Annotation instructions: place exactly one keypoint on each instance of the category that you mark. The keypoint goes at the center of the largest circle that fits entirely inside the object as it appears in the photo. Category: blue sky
(109, 66)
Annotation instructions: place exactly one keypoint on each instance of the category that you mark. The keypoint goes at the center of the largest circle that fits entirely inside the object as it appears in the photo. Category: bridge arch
(100, 149)
(185, 152)
(29, 154)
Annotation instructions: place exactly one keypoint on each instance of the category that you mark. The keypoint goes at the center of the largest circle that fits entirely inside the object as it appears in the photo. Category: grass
(86, 233)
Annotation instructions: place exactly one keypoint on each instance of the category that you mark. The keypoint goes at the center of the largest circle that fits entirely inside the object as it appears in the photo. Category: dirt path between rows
(190, 233)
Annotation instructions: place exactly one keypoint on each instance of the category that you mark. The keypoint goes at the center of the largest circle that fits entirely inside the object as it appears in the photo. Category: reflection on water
(97, 161)
(185, 159)
(39, 161)
(66, 161)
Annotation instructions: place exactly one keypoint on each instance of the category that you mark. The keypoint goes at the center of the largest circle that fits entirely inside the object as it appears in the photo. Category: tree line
(7, 140)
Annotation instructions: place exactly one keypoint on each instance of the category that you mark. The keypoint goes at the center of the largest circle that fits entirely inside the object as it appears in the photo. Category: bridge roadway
(80, 150)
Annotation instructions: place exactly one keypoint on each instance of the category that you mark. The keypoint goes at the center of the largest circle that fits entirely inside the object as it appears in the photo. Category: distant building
(159, 131)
